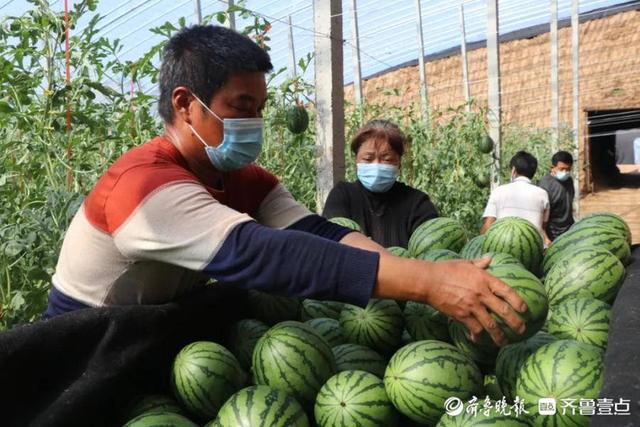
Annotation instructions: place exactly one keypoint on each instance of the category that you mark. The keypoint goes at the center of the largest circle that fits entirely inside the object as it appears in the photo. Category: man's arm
(487, 223)
(490, 213)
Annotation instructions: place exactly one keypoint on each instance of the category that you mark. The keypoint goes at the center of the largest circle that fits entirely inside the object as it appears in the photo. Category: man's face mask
(240, 145)
(377, 177)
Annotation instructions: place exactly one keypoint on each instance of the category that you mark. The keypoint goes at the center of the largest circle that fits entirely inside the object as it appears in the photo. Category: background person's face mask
(562, 175)
(240, 145)
(377, 177)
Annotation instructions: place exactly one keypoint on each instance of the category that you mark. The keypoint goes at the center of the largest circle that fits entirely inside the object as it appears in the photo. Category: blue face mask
(377, 177)
(240, 145)
(562, 175)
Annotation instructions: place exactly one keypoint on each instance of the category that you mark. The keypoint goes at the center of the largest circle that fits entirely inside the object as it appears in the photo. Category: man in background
(559, 186)
(520, 198)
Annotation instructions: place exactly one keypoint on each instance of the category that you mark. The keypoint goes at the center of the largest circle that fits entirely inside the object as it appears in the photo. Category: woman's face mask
(240, 145)
(377, 177)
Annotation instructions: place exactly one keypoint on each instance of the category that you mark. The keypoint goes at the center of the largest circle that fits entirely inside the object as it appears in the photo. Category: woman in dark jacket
(387, 210)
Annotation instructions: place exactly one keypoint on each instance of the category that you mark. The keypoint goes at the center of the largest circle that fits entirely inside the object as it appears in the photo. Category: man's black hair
(562, 156)
(525, 164)
(202, 58)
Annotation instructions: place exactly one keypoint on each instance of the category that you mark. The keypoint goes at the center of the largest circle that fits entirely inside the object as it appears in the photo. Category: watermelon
(607, 220)
(516, 237)
(490, 417)
(329, 329)
(483, 352)
(399, 251)
(261, 406)
(243, 338)
(204, 375)
(485, 145)
(492, 387)
(585, 272)
(421, 376)
(510, 360)
(406, 338)
(593, 236)
(297, 119)
(154, 403)
(346, 222)
(473, 248)
(294, 358)
(272, 309)
(312, 309)
(438, 233)
(354, 398)
(424, 322)
(160, 419)
(500, 258)
(378, 326)
(438, 255)
(354, 356)
(482, 179)
(564, 369)
(582, 319)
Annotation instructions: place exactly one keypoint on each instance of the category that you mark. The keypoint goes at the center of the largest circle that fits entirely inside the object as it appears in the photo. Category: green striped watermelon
(438, 233)
(243, 338)
(406, 338)
(438, 255)
(482, 418)
(160, 419)
(512, 357)
(399, 251)
(354, 398)
(422, 375)
(354, 356)
(483, 352)
(516, 237)
(346, 222)
(261, 406)
(312, 309)
(272, 309)
(154, 403)
(564, 369)
(473, 248)
(424, 322)
(499, 258)
(294, 358)
(329, 329)
(585, 272)
(378, 326)
(608, 220)
(204, 375)
(581, 319)
(592, 237)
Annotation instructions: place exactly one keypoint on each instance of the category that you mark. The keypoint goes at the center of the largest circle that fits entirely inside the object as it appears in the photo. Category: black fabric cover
(622, 358)
(85, 368)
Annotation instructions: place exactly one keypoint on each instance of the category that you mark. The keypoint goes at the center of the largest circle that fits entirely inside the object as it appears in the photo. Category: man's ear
(181, 99)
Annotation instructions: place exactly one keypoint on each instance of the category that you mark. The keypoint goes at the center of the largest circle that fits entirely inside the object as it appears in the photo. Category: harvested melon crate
(227, 358)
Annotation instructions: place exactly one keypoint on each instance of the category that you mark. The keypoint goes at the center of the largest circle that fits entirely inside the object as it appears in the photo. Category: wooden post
(329, 97)
(423, 74)
(292, 50)
(555, 101)
(465, 63)
(355, 55)
(575, 47)
(493, 67)
(198, 11)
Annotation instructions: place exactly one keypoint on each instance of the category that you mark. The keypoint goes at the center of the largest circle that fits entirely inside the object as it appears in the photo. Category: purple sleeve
(294, 263)
(315, 224)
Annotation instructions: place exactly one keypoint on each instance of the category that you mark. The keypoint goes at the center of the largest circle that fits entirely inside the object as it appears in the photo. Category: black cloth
(388, 218)
(622, 358)
(86, 367)
(561, 194)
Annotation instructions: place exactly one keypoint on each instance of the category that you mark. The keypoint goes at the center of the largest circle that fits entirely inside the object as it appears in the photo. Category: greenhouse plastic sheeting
(85, 368)
(622, 359)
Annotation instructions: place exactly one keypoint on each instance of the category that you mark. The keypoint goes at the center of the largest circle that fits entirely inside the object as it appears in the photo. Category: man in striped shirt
(190, 205)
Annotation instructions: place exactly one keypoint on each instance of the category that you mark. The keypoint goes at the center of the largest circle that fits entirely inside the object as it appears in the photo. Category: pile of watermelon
(326, 363)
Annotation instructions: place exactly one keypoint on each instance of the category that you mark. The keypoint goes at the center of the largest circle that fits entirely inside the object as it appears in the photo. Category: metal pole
(198, 11)
(423, 75)
(493, 64)
(575, 47)
(231, 15)
(555, 100)
(355, 55)
(292, 51)
(465, 63)
(329, 97)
